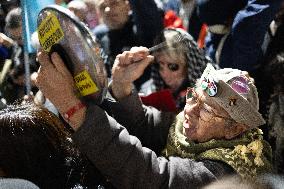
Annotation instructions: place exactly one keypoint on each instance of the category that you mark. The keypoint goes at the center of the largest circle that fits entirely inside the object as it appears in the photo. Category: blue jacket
(242, 47)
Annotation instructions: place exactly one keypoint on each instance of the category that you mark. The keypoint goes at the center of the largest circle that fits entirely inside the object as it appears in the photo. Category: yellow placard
(85, 84)
(49, 32)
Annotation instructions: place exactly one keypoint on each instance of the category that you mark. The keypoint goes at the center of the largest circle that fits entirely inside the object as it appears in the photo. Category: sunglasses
(171, 66)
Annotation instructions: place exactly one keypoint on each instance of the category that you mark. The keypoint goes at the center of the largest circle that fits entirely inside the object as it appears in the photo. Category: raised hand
(57, 84)
(128, 67)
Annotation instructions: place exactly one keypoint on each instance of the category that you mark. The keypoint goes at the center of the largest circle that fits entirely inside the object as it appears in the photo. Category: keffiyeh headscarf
(195, 57)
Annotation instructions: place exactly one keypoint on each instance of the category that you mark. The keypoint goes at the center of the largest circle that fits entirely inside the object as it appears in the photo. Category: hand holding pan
(59, 30)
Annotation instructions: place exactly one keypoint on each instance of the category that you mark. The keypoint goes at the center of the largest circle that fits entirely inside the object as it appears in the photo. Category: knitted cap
(235, 91)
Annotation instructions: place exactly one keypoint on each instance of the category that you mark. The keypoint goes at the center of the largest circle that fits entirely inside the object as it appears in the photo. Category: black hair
(37, 147)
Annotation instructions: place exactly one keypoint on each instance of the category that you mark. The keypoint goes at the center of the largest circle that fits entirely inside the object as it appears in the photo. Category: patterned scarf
(196, 63)
(249, 155)
(195, 59)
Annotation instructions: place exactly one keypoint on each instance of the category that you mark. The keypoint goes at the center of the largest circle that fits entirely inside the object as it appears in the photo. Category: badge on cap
(212, 88)
(232, 101)
(204, 84)
(240, 85)
(209, 85)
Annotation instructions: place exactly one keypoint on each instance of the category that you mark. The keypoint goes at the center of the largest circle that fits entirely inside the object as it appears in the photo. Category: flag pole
(30, 10)
(26, 51)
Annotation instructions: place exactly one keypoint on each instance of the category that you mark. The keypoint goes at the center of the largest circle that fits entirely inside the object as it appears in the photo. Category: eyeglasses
(171, 66)
(207, 111)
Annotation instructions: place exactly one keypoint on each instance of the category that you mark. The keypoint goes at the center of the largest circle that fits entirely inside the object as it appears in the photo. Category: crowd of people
(194, 98)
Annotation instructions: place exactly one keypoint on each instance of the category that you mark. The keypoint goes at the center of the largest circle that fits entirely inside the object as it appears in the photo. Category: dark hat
(214, 12)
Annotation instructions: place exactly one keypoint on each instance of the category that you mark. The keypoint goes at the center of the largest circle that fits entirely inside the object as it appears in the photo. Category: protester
(6, 6)
(127, 24)
(275, 123)
(237, 38)
(215, 135)
(265, 76)
(237, 29)
(5, 44)
(13, 73)
(36, 146)
(269, 81)
(177, 66)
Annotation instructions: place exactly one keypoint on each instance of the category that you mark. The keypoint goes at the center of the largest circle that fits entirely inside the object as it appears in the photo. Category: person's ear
(234, 130)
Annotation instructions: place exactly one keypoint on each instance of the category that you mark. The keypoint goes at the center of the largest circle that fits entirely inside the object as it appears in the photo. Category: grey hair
(13, 19)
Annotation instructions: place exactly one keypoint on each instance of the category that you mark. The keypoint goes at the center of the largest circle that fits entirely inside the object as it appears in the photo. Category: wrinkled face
(113, 12)
(172, 68)
(16, 34)
(204, 118)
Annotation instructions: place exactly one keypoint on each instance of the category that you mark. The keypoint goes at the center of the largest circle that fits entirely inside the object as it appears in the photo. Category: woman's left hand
(56, 82)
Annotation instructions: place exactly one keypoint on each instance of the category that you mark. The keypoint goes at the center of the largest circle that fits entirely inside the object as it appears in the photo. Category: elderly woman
(178, 64)
(215, 135)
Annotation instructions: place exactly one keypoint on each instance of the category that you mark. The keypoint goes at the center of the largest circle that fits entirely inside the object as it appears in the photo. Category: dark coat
(249, 23)
(128, 155)
(145, 22)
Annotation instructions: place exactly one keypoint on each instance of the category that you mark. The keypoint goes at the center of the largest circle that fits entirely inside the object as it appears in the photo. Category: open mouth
(188, 126)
